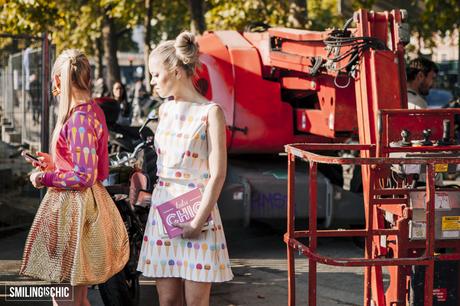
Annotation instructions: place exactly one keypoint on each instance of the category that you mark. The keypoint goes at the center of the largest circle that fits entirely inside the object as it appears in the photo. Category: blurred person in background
(138, 95)
(35, 93)
(108, 104)
(99, 88)
(421, 74)
(119, 94)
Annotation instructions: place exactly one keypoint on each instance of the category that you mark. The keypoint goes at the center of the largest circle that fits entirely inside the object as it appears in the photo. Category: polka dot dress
(182, 149)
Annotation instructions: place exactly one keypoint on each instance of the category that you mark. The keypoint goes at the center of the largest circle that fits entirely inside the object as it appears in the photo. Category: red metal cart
(389, 208)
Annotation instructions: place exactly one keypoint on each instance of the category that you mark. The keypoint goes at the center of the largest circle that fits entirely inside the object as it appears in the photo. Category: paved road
(259, 265)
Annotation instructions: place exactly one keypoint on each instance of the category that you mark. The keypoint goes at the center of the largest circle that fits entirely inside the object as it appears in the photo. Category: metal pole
(10, 96)
(4, 90)
(44, 135)
(312, 215)
(23, 98)
(291, 228)
(430, 234)
(369, 240)
(457, 89)
(45, 127)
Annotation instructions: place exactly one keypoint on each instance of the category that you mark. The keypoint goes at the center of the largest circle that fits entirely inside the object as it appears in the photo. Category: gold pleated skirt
(77, 237)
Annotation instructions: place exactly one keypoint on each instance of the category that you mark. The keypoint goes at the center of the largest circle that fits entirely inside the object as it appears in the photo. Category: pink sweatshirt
(81, 150)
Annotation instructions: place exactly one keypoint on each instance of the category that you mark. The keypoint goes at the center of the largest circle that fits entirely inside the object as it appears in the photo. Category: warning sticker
(441, 167)
(451, 223)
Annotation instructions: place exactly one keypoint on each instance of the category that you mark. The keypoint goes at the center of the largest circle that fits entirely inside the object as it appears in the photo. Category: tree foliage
(78, 23)
(237, 14)
(169, 19)
(72, 24)
(441, 16)
(426, 17)
(31, 17)
(323, 14)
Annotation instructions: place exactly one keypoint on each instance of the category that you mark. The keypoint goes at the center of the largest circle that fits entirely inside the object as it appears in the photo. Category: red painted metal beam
(290, 228)
(355, 262)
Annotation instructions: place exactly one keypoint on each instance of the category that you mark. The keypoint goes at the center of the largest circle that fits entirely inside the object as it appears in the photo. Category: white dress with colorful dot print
(182, 148)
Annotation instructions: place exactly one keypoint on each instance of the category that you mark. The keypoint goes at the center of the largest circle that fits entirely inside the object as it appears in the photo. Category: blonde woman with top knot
(191, 147)
(77, 236)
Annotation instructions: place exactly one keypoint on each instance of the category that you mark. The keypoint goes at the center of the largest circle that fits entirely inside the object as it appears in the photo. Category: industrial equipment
(412, 219)
(317, 90)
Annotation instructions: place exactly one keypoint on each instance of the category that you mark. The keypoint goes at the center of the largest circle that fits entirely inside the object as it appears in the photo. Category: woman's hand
(36, 179)
(189, 231)
(46, 162)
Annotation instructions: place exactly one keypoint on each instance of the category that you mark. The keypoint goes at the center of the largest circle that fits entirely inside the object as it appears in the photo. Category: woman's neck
(187, 92)
(82, 98)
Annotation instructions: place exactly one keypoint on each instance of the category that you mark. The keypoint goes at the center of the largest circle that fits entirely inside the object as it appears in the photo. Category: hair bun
(187, 48)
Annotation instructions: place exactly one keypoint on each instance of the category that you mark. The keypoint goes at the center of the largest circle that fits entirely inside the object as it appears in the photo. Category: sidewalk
(258, 256)
(10, 261)
(259, 266)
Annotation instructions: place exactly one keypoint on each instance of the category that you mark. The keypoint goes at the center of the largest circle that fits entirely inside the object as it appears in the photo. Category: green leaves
(227, 15)
(77, 23)
(169, 18)
(31, 17)
(441, 15)
(73, 24)
(322, 14)
(429, 17)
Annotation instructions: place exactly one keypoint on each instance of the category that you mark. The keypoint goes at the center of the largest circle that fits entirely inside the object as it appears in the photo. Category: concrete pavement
(259, 264)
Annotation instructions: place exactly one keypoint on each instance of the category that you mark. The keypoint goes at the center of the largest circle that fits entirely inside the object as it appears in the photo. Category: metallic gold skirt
(77, 237)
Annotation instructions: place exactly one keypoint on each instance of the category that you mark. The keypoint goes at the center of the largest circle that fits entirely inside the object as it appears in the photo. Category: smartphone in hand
(30, 157)
(34, 160)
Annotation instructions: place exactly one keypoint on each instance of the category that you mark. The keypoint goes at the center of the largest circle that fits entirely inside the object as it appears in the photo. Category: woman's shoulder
(212, 106)
(205, 103)
(84, 108)
(215, 110)
(204, 108)
(84, 114)
(164, 107)
(212, 113)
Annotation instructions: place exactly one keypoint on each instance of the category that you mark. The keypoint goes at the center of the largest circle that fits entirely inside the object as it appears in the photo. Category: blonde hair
(74, 70)
(183, 52)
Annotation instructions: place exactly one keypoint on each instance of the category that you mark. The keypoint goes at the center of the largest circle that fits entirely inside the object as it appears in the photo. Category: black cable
(340, 39)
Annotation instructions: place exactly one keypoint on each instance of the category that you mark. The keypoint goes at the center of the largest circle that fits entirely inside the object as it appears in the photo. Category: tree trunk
(197, 24)
(110, 52)
(298, 13)
(457, 87)
(99, 50)
(147, 34)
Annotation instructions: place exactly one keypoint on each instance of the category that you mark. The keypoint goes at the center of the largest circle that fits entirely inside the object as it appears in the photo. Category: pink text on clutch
(184, 213)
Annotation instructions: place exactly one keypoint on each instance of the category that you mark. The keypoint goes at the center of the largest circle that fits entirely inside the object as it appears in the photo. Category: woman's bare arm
(217, 159)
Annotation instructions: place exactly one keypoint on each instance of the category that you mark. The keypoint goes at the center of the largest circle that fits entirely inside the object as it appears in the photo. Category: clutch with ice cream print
(181, 209)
